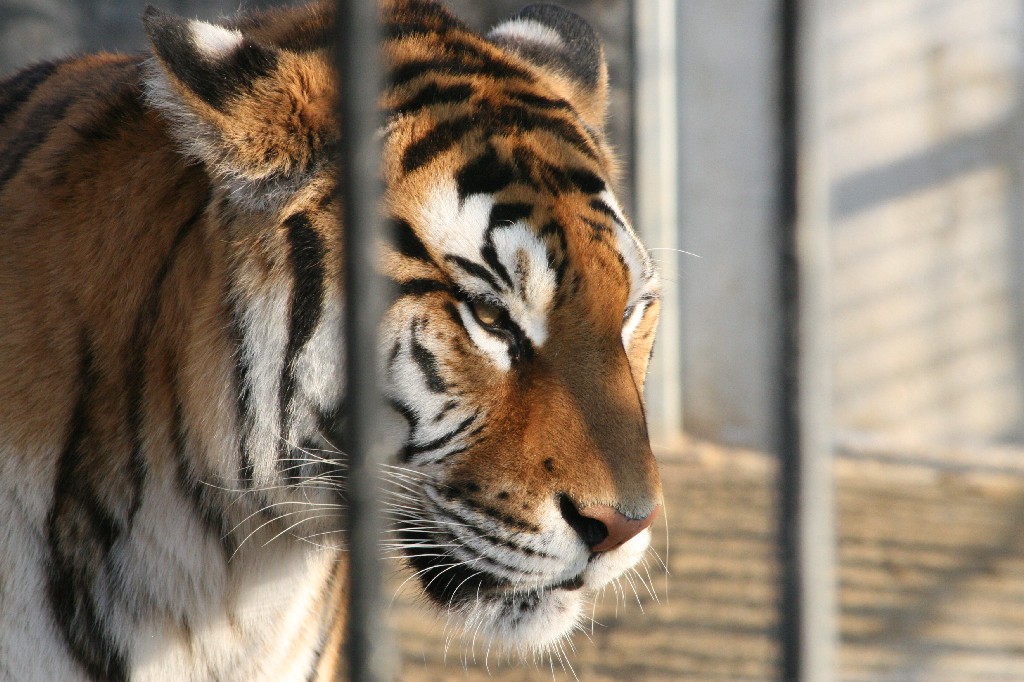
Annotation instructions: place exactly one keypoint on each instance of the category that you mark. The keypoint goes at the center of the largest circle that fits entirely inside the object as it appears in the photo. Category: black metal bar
(360, 78)
(790, 594)
(806, 517)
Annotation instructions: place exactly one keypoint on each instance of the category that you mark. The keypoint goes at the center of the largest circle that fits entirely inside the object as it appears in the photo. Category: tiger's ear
(563, 45)
(257, 116)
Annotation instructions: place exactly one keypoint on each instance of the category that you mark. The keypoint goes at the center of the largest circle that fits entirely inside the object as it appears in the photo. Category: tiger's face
(521, 383)
(515, 352)
(518, 348)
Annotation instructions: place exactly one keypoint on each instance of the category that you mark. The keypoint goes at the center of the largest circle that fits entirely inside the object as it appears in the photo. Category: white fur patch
(633, 321)
(457, 228)
(212, 40)
(453, 228)
(264, 319)
(643, 276)
(525, 257)
(524, 628)
(632, 250)
(527, 31)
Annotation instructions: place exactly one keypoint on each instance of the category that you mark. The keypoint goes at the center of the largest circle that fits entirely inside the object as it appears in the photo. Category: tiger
(172, 407)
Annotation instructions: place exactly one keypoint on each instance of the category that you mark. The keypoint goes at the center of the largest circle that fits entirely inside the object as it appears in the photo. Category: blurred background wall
(925, 129)
(928, 230)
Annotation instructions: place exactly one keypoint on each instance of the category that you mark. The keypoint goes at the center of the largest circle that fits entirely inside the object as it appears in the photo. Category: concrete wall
(928, 221)
(926, 134)
(727, 88)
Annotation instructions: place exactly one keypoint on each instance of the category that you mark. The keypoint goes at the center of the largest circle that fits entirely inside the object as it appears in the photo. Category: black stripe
(445, 410)
(502, 215)
(421, 287)
(457, 521)
(486, 174)
(475, 270)
(124, 109)
(520, 346)
(554, 178)
(400, 30)
(527, 169)
(433, 95)
(308, 273)
(427, 362)
(412, 450)
(461, 520)
(243, 390)
(560, 180)
(490, 256)
(17, 89)
(452, 39)
(422, 14)
(188, 479)
(454, 314)
(601, 207)
(472, 51)
(43, 118)
(408, 413)
(585, 181)
(520, 118)
(408, 242)
(534, 100)
(438, 140)
(501, 516)
(125, 106)
(81, 532)
(404, 73)
(135, 368)
(558, 253)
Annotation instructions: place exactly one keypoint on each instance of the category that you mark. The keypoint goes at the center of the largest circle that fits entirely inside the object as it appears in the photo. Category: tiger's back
(171, 299)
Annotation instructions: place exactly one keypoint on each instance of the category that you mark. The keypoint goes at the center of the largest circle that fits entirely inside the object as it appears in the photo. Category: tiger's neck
(148, 497)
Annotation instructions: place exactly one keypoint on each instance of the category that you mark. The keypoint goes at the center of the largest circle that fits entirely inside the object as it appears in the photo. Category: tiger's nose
(602, 527)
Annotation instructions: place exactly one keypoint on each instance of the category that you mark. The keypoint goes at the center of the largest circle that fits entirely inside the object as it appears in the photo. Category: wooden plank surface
(931, 583)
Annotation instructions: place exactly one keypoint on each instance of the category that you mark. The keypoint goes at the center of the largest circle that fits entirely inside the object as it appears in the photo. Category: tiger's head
(516, 349)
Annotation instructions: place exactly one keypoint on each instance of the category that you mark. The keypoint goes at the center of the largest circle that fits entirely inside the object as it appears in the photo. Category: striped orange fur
(171, 409)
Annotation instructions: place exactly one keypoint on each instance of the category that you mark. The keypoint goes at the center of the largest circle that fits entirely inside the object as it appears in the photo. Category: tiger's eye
(488, 314)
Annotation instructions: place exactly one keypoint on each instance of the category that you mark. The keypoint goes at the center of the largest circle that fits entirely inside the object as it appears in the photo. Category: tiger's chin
(534, 620)
(525, 622)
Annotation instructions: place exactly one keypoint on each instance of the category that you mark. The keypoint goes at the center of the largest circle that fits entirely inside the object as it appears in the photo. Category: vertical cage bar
(360, 78)
(655, 117)
(806, 495)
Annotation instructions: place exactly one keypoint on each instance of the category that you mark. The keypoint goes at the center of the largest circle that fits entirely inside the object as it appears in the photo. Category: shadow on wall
(928, 219)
